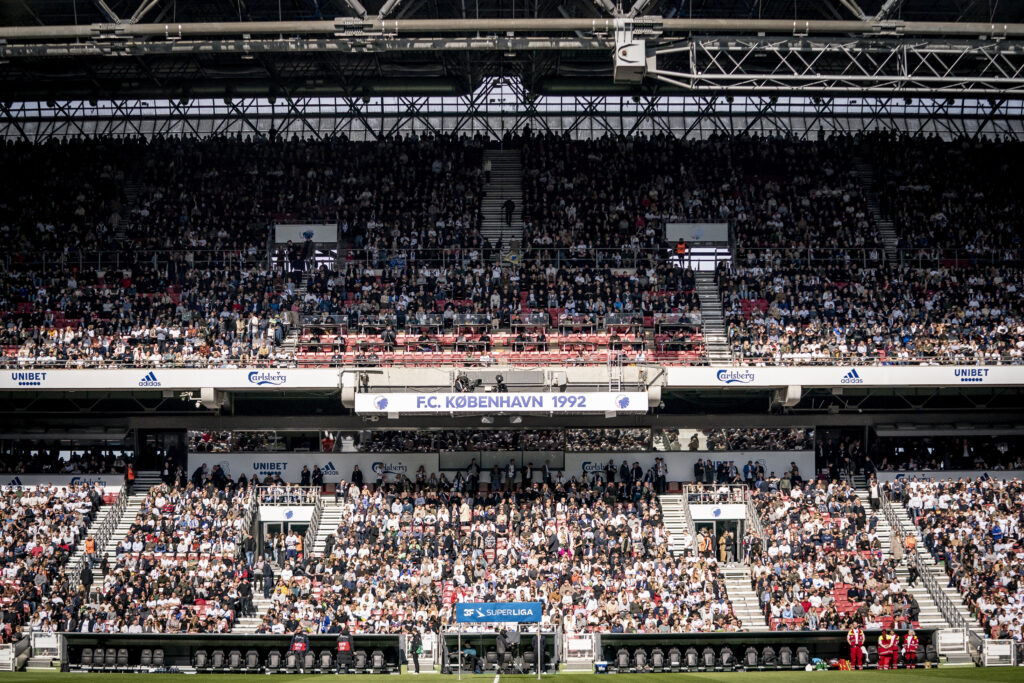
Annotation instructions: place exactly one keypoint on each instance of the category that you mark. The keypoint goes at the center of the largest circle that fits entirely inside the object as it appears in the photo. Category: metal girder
(879, 67)
(369, 118)
(395, 27)
(387, 8)
(106, 11)
(890, 8)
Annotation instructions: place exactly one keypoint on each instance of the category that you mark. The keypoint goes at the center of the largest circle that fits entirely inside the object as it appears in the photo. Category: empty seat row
(360, 660)
(708, 659)
(116, 659)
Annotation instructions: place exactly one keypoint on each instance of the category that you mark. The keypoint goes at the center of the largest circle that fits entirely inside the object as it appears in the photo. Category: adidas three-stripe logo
(149, 380)
(852, 377)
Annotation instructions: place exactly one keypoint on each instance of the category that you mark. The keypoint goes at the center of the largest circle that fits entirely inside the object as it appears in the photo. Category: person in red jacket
(888, 643)
(855, 638)
(910, 645)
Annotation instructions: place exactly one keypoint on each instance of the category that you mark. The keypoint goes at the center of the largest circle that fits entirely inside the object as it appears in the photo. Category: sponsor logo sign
(735, 376)
(971, 375)
(265, 378)
(852, 377)
(28, 379)
(149, 380)
(479, 612)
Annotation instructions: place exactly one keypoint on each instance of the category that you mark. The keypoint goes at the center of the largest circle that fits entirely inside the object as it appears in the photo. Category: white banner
(517, 402)
(111, 483)
(160, 379)
(703, 513)
(680, 463)
(335, 466)
(693, 233)
(296, 232)
(285, 513)
(949, 475)
(726, 379)
(842, 377)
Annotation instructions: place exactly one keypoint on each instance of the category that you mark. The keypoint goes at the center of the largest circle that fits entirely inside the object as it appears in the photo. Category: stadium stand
(181, 566)
(596, 556)
(42, 526)
(971, 527)
(820, 563)
(594, 280)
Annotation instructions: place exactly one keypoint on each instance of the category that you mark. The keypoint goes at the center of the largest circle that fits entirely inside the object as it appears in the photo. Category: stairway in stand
(736, 575)
(130, 195)
(744, 600)
(886, 229)
(716, 344)
(124, 526)
(931, 616)
(330, 518)
(290, 343)
(249, 624)
(674, 517)
(146, 479)
(506, 183)
(936, 570)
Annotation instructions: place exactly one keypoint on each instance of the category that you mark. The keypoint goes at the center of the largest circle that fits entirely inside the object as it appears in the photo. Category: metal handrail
(947, 608)
(713, 493)
(288, 494)
(498, 358)
(104, 531)
(753, 519)
(314, 526)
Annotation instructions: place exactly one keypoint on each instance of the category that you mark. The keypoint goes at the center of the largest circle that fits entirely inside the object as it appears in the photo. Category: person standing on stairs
(510, 208)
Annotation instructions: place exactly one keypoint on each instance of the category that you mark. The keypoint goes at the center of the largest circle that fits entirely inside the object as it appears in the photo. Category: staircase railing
(753, 519)
(947, 608)
(103, 532)
(314, 526)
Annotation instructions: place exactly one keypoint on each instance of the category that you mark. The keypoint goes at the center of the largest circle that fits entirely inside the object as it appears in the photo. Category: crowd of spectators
(840, 300)
(818, 563)
(574, 440)
(228, 441)
(596, 556)
(41, 527)
(450, 440)
(29, 456)
(185, 273)
(955, 201)
(972, 527)
(182, 567)
(906, 454)
(760, 439)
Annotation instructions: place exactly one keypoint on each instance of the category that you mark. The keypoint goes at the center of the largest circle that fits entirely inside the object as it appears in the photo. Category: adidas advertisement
(852, 377)
(149, 380)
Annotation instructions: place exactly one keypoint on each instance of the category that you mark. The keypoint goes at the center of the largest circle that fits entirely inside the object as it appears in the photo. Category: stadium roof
(119, 49)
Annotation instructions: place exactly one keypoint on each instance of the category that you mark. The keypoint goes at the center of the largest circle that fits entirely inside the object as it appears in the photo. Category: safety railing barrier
(999, 653)
(45, 644)
(715, 493)
(314, 525)
(494, 359)
(288, 494)
(103, 532)
(949, 611)
(753, 519)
